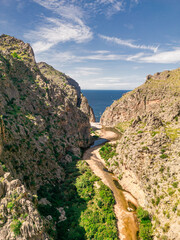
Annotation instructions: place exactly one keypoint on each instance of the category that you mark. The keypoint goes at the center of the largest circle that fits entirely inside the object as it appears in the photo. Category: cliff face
(84, 106)
(159, 94)
(148, 159)
(69, 86)
(41, 128)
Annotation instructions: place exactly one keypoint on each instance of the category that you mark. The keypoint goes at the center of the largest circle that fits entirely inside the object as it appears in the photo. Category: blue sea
(100, 99)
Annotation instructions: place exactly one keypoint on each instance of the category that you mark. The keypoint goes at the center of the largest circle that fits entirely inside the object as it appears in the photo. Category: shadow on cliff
(66, 207)
(21, 152)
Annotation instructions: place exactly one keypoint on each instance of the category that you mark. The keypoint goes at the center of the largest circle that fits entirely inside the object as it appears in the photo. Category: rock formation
(41, 128)
(84, 106)
(159, 95)
(69, 86)
(148, 160)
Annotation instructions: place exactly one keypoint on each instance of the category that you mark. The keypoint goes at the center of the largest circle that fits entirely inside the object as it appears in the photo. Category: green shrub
(10, 205)
(145, 148)
(153, 133)
(171, 191)
(157, 200)
(120, 176)
(163, 156)
(166, 227)
(145, 225)
(15, 55)
(162, 169)
(175, 184)
(15, 227)
(108, 151)
(87, 202)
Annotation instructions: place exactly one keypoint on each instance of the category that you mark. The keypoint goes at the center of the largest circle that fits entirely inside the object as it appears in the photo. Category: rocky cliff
(148, 157)
(41, 129)
(69, 86)
(84, 106)
(159, 95)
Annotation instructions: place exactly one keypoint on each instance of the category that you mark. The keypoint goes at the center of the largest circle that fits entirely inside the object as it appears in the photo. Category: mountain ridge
(148, 160)
(41, 130)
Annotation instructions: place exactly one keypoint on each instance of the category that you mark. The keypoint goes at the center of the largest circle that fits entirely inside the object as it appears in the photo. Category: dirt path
(126, 220)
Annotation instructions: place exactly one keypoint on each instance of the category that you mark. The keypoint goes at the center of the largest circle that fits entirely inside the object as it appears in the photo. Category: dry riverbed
(126, 218)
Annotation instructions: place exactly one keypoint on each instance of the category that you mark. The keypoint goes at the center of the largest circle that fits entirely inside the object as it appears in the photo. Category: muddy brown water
(124, 209)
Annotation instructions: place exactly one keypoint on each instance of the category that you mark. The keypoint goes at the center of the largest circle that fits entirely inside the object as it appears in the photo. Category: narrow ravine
(125, 214)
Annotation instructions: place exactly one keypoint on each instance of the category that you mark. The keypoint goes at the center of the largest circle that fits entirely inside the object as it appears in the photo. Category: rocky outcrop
(87, 109)
(41, 129)
(70, 87)
(18, 213)
(159, 94)
(148, 159)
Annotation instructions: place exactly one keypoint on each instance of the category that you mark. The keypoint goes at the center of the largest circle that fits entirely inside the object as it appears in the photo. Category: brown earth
(126, 220)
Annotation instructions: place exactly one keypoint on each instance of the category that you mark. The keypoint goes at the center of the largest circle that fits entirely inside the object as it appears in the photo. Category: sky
(102, 44)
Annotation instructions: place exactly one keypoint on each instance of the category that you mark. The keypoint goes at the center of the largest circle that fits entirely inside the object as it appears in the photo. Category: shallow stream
(124, 207)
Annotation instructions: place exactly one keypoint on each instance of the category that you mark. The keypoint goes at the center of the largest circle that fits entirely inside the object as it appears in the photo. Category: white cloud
(117, 6)
(79, 9)
(84, 72)
(127, 43)
(110, 82)
(106, 7)
(40, 46)
(68, 22)
(135, 1)
(55, 31)
(166, 57)
(134, 57)
(68, 25)
(57, 59)
(163, 57)
(104, 57)
(69, 57)
(64, 9)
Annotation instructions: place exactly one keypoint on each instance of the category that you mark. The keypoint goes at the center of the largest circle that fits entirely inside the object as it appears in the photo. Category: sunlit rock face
(41, 128)
(70, 87)
(148, 157)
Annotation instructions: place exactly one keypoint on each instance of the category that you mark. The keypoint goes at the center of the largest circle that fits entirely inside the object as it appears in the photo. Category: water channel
(125, 203)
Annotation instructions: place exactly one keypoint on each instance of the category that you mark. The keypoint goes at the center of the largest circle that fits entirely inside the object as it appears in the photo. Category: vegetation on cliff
(41, 129)
(45, 191)
(87, 203)
(145, 225)
(148, 152)
(108, 151)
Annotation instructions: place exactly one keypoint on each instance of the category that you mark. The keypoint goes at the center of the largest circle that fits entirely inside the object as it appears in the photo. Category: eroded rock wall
(70, 87)
(159, 94)
(148, 157)
(41, 128)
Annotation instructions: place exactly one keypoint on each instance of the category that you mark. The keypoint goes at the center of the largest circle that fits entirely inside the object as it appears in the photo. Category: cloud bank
(128, 43)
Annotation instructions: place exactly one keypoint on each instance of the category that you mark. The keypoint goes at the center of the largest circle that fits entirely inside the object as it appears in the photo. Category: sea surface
(100, 99)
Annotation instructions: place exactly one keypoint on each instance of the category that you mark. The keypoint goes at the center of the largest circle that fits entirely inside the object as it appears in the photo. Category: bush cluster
(145, 225)
(88, 208)
(108, 151)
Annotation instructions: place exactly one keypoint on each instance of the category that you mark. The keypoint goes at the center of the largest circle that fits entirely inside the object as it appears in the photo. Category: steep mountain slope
(69, 86)
(159, 94)
(41, 129)
(148, 156)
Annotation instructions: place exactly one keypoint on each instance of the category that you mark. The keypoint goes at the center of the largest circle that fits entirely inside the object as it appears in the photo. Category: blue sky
(102, 44)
